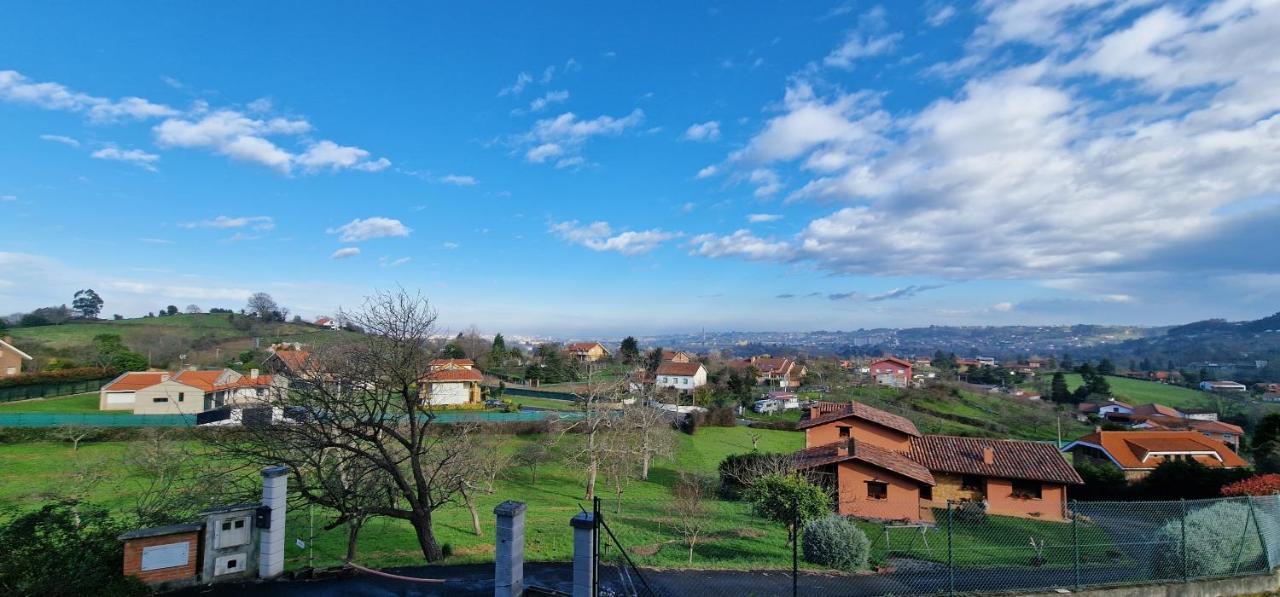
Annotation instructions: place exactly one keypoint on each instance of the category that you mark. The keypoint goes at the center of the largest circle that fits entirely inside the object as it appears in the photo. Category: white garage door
(119, 398)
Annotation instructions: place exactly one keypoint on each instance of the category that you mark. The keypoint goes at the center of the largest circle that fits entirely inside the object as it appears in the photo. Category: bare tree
(651, 434)
(597, 402)
(475, 472)
(358, 401)
(75, 434)
(690, 508)
(261, 304)
(168, 483)
(534, 455)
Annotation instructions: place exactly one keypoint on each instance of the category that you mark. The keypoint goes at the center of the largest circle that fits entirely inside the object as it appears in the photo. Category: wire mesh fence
(725, 548)
(49, 390)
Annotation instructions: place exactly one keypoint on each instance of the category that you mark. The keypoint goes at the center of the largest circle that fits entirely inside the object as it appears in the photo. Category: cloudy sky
(593, 167)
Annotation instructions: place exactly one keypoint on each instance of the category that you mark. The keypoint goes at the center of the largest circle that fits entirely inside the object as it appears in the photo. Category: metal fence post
(795, 546)
(1075, 543)
(595, 546)
(1186, 574)
(951, 568)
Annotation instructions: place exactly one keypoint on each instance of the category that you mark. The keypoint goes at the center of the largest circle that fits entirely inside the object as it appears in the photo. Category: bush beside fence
(49, 390)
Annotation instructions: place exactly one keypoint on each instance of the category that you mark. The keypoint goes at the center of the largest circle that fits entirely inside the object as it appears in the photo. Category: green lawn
(1137, 391)
(188, 327)
(76, 403)
(543, 403)
(31, 473)
(988, 541)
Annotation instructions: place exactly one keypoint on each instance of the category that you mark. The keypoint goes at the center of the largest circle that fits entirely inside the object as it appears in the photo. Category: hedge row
(54, 377)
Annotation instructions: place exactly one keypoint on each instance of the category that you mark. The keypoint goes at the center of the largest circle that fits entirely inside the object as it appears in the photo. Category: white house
(1114, 407)
(452, 382)
(1222, 386)
(681, 376)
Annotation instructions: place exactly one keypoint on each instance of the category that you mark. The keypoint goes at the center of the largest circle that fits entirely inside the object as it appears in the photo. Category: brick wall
(133, 558)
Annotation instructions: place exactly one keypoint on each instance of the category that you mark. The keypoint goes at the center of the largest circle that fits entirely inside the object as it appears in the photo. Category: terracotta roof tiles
(830, 411)
(1011, 459)
(876, 456)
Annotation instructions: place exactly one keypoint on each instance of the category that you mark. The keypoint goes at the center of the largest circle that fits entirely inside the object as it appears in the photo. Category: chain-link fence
(49, 390)
(720, 547)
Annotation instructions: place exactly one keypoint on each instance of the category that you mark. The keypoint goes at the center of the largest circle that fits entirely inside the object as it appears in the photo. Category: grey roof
(172, 529)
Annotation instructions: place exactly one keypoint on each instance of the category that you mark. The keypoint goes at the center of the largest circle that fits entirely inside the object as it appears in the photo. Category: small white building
(1222, 386)
(681, 376)
(1114, 407)
(452, 382)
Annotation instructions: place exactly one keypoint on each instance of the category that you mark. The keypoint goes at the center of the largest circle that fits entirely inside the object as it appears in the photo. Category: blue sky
(579, 168)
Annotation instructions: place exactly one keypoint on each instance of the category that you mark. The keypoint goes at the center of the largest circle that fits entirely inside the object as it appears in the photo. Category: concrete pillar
(584, 554)
(508, 574)
(275, 488)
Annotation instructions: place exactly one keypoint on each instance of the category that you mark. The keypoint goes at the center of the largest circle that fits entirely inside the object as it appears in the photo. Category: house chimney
(988, 455)
(253, 374)
(845, 448)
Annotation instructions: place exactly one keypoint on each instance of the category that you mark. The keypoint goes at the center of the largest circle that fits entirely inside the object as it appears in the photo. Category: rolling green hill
(1137, 391)
(206, 339)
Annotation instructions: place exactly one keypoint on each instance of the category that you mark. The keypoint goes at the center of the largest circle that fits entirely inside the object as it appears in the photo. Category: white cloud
(570, 162)
(542, 153)
(63, 139)
(345, 252)
(369, 228)
(241, 137)
(136, 157)
(1004, 307)
(766, 181)
(260, 223)
(940, 16)
(564, 136)
(331, 156)
(17, 88)
(742, 244)
(458, 180)
(705, 131)
(1028, 170)
(708, 172)
(550, 97)
(599, 236)
(760, 218)
(389, 262)
(858, 45)
(8, 197)
(516, 88)
(449, 245)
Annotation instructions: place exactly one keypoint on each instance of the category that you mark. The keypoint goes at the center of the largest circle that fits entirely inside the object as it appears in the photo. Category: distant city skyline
(584, 169)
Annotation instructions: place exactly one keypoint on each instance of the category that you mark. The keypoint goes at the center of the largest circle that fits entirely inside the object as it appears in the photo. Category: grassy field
(76, 403)
(1137, 391)
(542, 403)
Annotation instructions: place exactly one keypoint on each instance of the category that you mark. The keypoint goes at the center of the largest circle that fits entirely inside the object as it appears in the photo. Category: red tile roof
(584, 346)
(134, 381)
(681, 369)
(1012, 459)
(1158, 422)
(1147, 410)
(447, 375)
(895, 360)
(876, 456)
(295, 360)
(1127, 448)
(830, 411)
(205, 380)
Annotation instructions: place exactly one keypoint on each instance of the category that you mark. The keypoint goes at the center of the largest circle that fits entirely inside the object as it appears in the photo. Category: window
(159, 400)
(973, 483)
(877, 490)
(1026, 489)
(181, 395)
(844, 432)
(926, 492)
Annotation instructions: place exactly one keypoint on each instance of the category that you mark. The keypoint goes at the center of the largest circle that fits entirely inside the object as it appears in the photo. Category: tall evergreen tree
(498, 353)
(1058, 391)
(629, 352)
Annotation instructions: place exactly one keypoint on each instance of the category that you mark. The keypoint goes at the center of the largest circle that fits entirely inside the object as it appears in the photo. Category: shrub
(1214, 534)
(64, 548)
(737, 471)
(834, 541)
(59, 376)
(1258, 485)
(787, 498)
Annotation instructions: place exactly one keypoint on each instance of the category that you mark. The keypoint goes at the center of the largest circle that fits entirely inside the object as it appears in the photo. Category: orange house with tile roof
(881, 467)
(1137, 453)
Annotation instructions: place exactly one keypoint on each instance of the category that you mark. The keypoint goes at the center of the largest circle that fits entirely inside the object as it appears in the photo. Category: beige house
(452, 382)
(587, 351)
(185, 392)
(11, 358)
